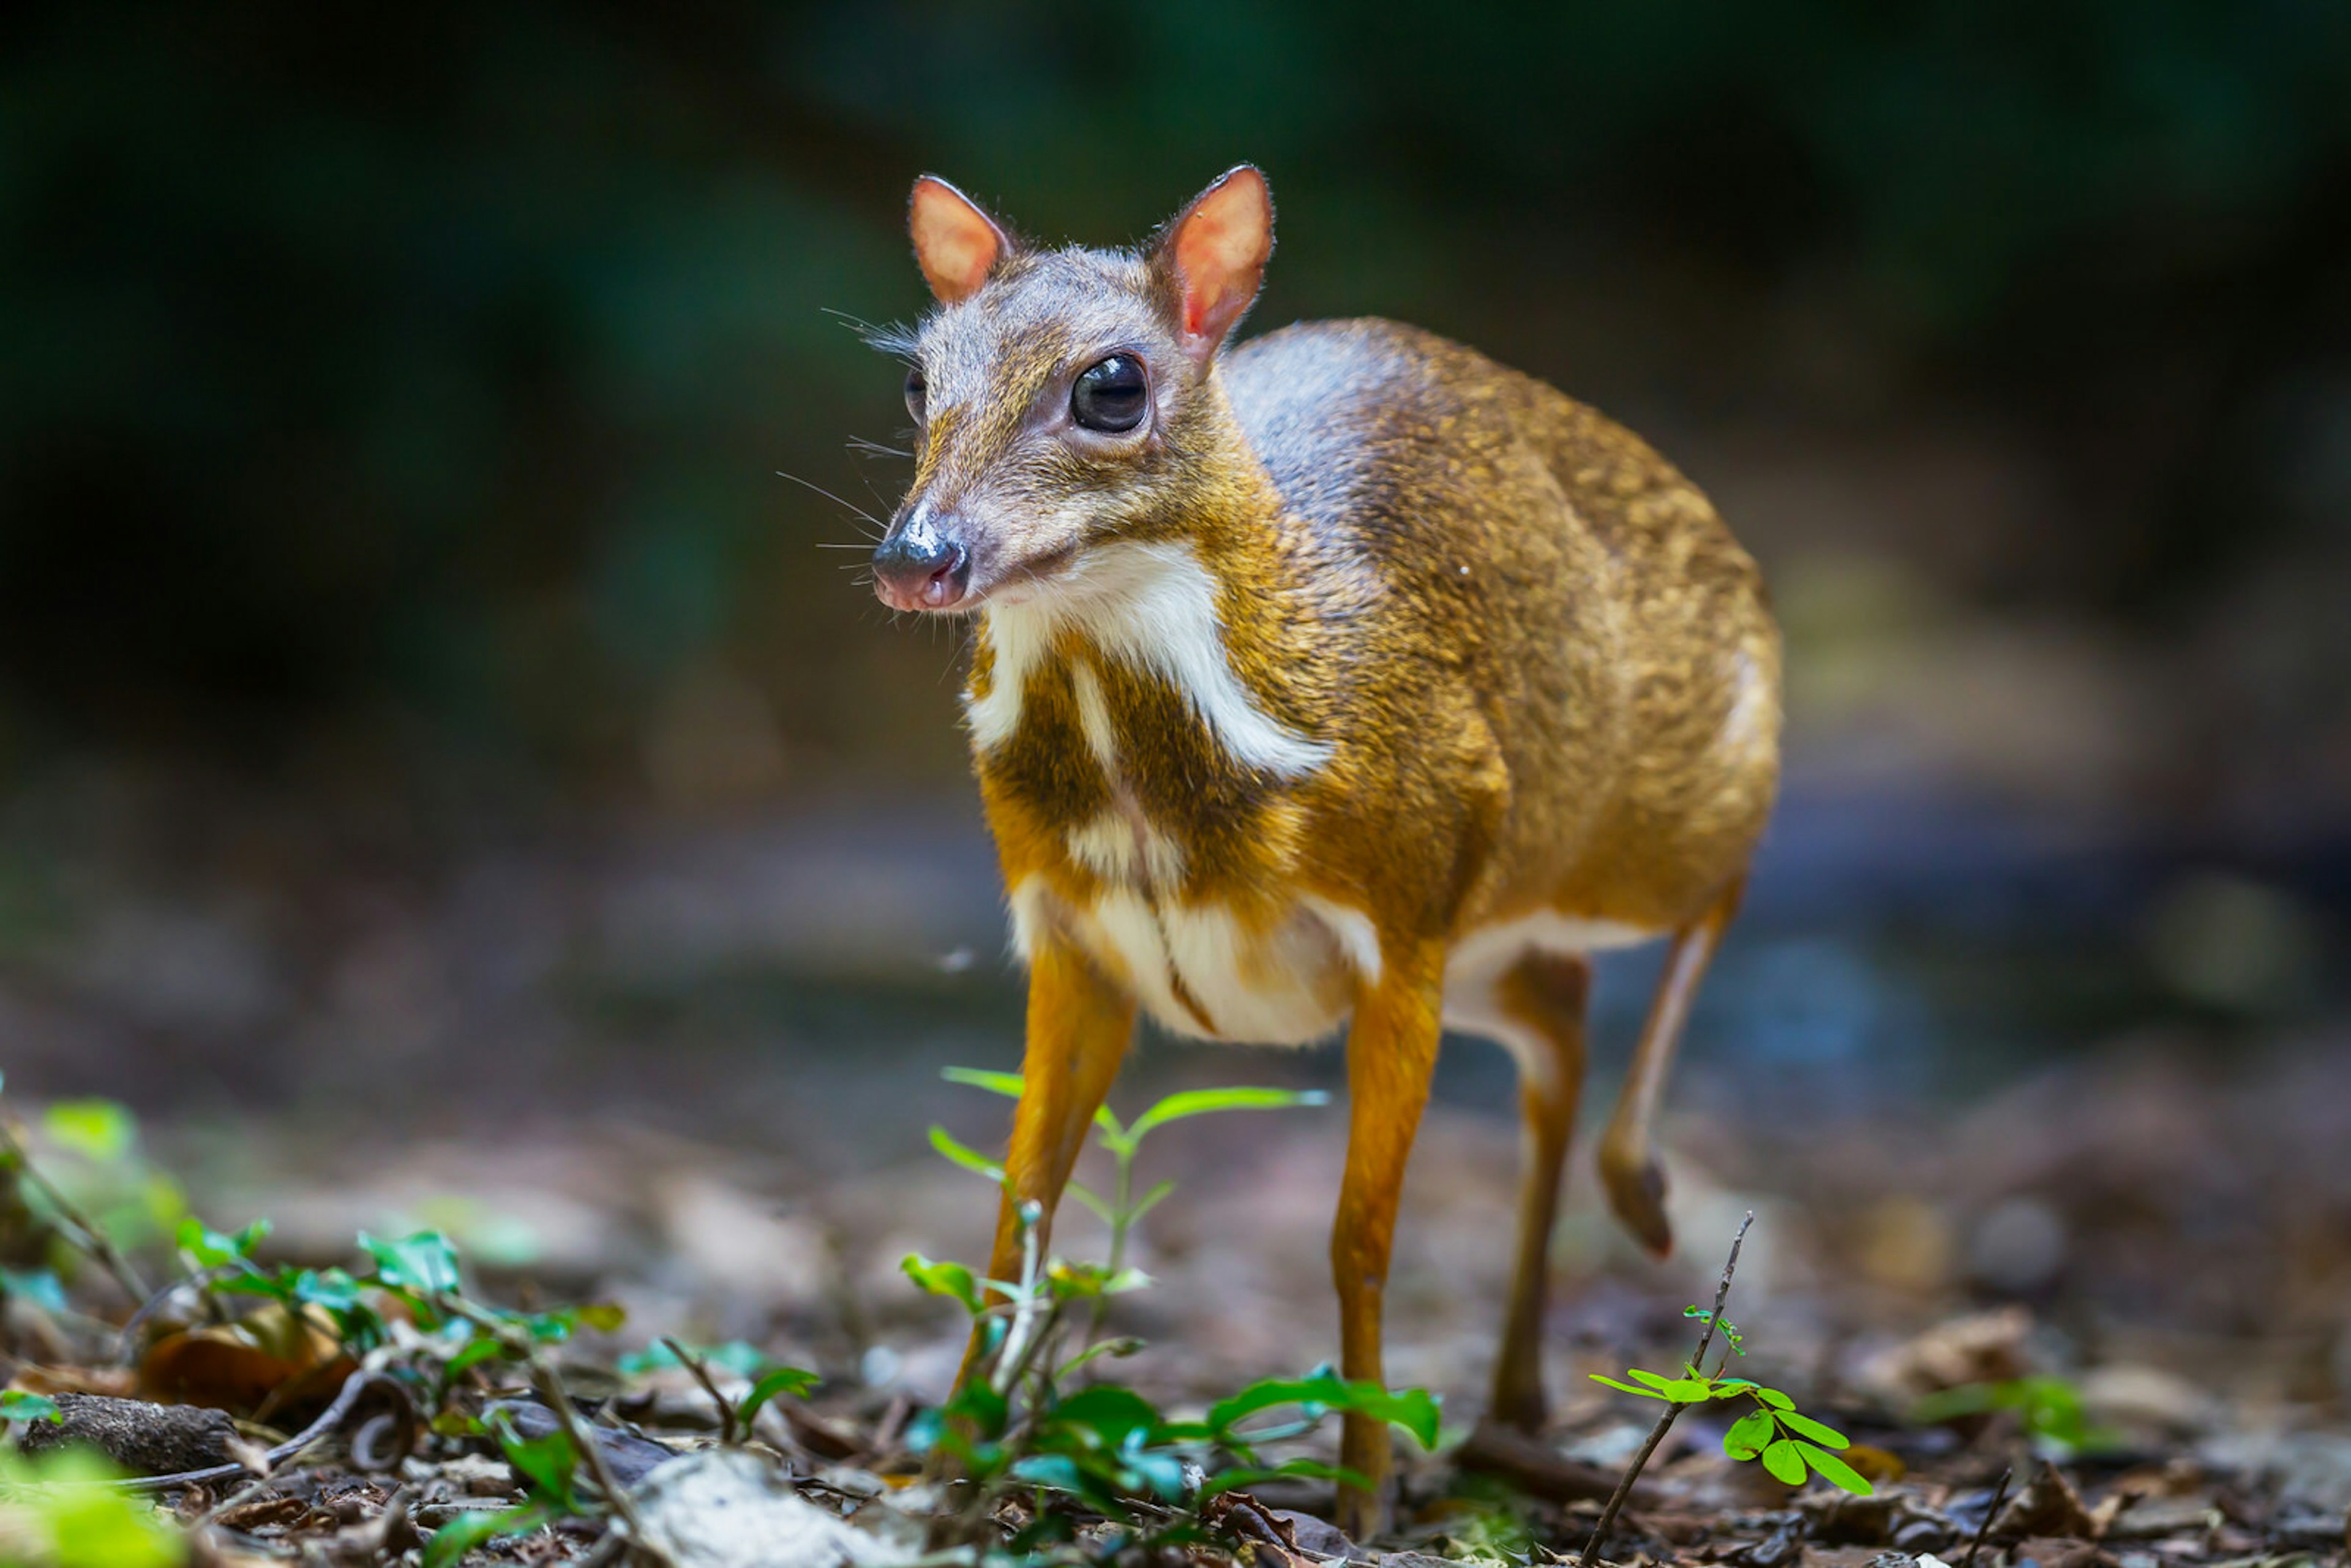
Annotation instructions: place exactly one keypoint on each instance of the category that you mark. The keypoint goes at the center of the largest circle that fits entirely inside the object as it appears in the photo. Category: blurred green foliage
(417, 381)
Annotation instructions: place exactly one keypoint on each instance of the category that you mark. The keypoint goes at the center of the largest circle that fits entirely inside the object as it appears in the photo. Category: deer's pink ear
(1217, 249)
(956, 243)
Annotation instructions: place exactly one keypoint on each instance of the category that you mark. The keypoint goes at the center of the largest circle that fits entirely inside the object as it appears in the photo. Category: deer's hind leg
(1536, 1008)
(1629, 1169)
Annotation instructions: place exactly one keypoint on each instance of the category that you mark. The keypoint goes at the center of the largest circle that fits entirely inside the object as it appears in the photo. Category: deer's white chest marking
(1152, 607)
(1196, 967)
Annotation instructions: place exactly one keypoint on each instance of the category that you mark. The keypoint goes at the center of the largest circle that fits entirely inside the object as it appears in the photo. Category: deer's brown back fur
(1598, 623)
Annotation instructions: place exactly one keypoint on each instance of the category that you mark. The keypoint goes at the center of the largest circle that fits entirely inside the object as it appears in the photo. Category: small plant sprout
(1789, 1444)
(1122, 1141)
(1774, 1431)
(2050, 1407)
(1017, 1428)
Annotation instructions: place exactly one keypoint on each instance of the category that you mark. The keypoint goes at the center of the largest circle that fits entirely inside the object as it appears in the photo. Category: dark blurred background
(424, 705)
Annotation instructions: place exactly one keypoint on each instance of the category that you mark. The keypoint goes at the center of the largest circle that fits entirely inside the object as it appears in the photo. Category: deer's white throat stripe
(1152, 607)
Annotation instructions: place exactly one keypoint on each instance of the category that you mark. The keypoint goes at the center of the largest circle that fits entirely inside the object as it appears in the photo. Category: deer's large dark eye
(1110, 396)
(916, 392)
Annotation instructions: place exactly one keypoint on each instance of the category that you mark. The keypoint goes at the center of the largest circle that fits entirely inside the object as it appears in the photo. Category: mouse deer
(1342, 677)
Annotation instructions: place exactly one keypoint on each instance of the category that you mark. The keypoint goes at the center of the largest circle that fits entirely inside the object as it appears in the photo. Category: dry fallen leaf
(268, 1363)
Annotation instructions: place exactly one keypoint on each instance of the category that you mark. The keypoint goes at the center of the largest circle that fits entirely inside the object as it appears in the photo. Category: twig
(692, 1363)
(591, 1452)
(1999, 1496)
(243, 1495)
(93, 1239)
(1673, 1412)
(334, 1416)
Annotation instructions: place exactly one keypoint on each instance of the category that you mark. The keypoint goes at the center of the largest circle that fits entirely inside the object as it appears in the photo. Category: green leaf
(1083, 1281)
(98, 1130)
(1819, 1432)
(425, 1261)
(1149, 1201)
(1100, 1210)
(1058, 1471)
(1309, 1469)
(1680, 1390)
(1834, 1470)
(1160, 1474)
(982, 1405)
(461, 1535)
(17, 1404)
(603, 1317)
(1005, 1084)
(966, 1157)
(1773, 1397)
(1749, 1435)
(945, 1277)
(1626, 1387)
(547, 1463)
(1111, 1411)
(1785, 1462)
(792, 1380)
(478, 1350)
(1413, 1409)
(1200, 1102)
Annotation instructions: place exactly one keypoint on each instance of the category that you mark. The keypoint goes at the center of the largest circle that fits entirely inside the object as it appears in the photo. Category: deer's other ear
(1214, 252)
(956, 241)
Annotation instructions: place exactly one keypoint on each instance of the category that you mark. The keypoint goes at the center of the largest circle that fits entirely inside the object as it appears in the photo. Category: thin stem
(692, 1363)
(1122, 1222)
(1018, 1342)
(92, 1240)
(550, 1385)
(1999, 1496)
(1673, 1412)
(591, 1452)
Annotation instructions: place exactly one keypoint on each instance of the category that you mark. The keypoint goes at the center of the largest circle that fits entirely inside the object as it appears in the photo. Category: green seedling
(1122, 1210)
(1787, 1441)
(765, 1378)
(2050, 1407)
(1015, 1429)
(550, 1470)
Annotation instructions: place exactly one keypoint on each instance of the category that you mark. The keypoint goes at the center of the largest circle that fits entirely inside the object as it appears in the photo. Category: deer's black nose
(920, 567)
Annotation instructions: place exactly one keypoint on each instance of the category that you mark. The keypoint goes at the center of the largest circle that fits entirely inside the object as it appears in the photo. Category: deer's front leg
(1391, 1053)
(1079, 1026)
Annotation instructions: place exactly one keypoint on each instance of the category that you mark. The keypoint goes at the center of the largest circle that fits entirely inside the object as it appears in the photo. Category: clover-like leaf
(1834, 1470)
(1818, 1431)
(1749, 1435)
(1781, 1459)
(1626, 1387)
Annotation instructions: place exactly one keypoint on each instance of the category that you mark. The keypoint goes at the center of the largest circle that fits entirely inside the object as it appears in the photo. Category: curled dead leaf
(271, 1362)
